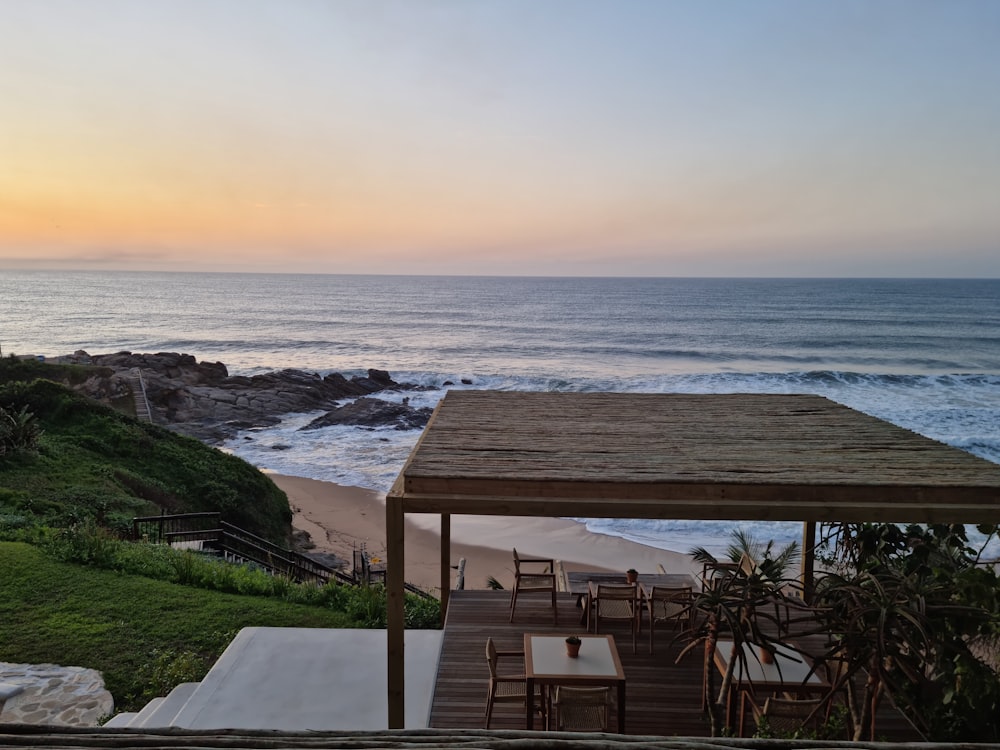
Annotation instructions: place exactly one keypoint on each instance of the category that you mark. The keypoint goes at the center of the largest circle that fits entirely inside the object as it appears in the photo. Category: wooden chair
(715, 574)
(507, 687)
(666, 604)
(580, 709)
(614, 603)
(534, 582)
(783, 717)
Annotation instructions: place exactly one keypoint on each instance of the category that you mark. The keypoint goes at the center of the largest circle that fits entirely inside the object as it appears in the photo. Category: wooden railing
(239, 545)
(235, 544)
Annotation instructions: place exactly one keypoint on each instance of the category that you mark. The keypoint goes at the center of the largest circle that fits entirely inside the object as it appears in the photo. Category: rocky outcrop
(56, 696)
(202, 400)
(372, 413)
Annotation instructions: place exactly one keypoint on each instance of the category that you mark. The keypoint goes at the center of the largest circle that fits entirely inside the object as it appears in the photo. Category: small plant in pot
(766, 654)
(573, 646)
(631, 575)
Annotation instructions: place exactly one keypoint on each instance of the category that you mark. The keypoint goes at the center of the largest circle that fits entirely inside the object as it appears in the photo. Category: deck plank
(664, 697)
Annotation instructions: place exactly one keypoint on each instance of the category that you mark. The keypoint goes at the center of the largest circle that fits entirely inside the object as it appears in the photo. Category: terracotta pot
(631, 577)
(766, 655)
(572, 650)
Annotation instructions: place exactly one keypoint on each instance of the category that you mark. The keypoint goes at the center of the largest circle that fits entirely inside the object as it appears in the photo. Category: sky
(512, 137)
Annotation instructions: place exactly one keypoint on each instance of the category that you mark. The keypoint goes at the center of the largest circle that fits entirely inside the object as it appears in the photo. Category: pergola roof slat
(644, 455)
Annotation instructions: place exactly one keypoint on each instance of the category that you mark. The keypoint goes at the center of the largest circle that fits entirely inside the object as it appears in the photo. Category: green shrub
(19, 430)
(168, 668)
(92, 462)
(89, 544)
(421, 613)
(86, 544)
(10, 521)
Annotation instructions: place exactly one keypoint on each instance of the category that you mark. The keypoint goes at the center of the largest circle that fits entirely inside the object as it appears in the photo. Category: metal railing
(238, 545)
(235, 544)
(142, 392)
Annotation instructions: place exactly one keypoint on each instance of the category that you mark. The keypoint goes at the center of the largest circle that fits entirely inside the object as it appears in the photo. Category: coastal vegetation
(91, 462)
(143, 635)
(908, 614)
(149, 617)
(76, 591)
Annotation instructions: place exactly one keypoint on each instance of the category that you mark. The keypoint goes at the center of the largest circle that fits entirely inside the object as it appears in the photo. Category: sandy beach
(338, 519)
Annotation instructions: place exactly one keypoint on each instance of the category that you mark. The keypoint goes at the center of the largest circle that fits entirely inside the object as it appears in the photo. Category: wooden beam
(395, 614)
(445, 563)
(808, 559)
(856, 504)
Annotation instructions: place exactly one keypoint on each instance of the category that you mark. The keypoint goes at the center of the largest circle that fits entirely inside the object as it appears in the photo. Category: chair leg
(489, 710)
(555, 610)
(513, 603)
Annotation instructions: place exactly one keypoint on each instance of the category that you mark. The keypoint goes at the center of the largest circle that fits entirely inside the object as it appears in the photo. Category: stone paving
(55, 696)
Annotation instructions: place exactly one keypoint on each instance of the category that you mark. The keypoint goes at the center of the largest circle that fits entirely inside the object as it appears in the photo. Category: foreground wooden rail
(70, 738)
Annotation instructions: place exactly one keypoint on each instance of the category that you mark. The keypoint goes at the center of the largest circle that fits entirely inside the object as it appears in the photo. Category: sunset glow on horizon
(775, 138)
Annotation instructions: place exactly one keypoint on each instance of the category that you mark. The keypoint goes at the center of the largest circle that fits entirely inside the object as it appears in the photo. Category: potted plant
(766, 654)
(631, 575)
(573, 646)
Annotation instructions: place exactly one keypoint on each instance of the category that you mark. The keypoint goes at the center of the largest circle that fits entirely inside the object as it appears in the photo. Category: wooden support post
(395, 615)
(445, 563)
(808, 560)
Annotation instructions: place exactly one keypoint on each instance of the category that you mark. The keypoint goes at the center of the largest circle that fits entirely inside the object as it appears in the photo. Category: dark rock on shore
(372, 413)
(202, 400)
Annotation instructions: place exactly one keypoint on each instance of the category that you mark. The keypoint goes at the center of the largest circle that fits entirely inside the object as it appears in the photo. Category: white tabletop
(789, 667)
(548, 657)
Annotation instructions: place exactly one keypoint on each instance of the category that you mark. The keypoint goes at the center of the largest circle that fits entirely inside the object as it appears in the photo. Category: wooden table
(546, 664)
(791, 672)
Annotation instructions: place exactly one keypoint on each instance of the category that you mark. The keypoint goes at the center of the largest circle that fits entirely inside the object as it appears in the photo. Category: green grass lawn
(143, 635)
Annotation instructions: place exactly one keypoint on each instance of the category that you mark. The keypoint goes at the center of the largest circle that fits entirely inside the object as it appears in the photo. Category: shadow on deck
(664, 698)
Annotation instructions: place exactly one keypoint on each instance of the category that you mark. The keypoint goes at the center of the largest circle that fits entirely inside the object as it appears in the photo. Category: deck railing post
(445, 564)
(395, 614)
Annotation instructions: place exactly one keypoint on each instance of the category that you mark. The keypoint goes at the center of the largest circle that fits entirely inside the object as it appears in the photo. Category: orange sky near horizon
(651, 139)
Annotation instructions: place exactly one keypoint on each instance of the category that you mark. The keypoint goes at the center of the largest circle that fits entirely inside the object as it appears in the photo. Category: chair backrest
(788, 715)
(716, 574)
(517, 562)
(583, 708)
(615, 601)
(669, 601)
(491, 657)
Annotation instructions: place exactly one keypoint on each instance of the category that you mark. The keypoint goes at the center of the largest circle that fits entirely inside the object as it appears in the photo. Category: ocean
(920, 353)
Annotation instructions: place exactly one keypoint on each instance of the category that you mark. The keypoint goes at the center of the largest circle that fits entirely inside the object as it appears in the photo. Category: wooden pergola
(669, 456)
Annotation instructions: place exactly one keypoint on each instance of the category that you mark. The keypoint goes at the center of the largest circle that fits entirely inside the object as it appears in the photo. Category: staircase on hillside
(142, 411)
(207, 532)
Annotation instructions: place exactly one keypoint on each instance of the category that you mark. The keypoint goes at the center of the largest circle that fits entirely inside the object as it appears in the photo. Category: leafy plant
(168, 668)
(91, 462)
(906, 608)
(743, 608)
(771, 563)
(19, 430)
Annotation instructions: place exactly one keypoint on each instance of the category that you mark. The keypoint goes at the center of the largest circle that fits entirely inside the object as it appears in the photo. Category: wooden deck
(663, 698)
